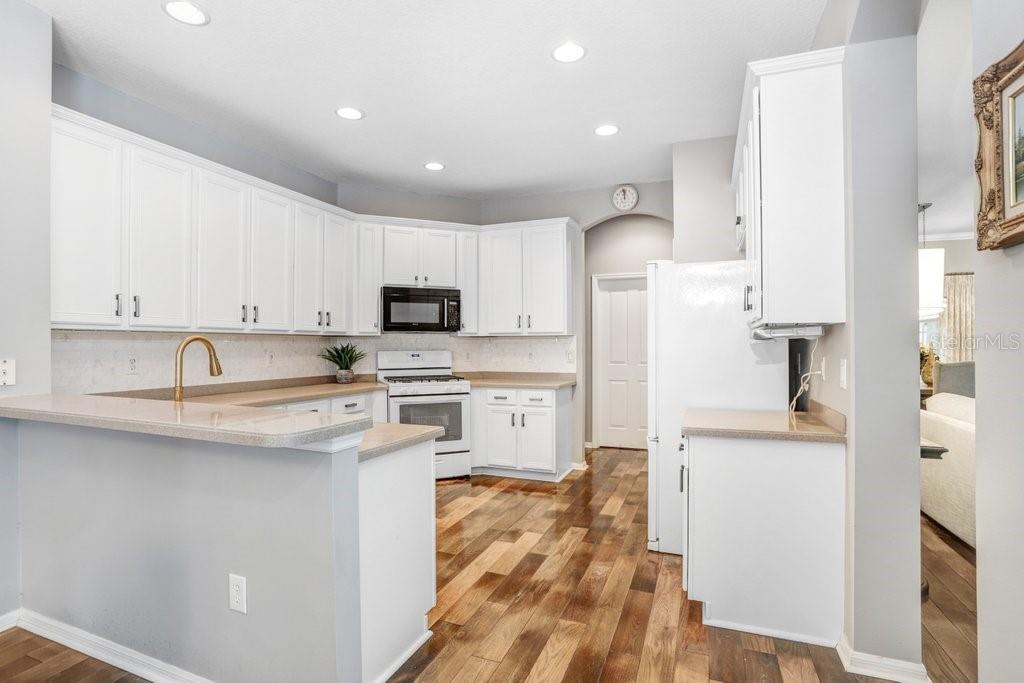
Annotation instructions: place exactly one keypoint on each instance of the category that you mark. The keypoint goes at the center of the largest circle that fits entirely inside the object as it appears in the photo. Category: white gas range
(423, 390)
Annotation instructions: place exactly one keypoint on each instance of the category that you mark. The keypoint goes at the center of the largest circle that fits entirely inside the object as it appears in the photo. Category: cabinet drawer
(315, 406)
(502, 396)
(537, 398)
(349, 404)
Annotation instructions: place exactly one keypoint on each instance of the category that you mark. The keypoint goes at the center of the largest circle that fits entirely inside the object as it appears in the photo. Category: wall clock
(625, 197)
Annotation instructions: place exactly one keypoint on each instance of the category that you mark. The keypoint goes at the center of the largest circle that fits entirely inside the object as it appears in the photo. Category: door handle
(137, 308)
(245, 313)
(255, 314)
(682, 479)
(117, 305)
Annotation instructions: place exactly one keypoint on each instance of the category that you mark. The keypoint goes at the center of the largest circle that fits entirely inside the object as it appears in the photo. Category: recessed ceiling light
(350, 113)
(434, 166)
(607, 129)
(186, 12)
(568, 52)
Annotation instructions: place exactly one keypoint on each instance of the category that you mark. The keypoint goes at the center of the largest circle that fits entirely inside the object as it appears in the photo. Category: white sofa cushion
(947, 485)
(951, 405)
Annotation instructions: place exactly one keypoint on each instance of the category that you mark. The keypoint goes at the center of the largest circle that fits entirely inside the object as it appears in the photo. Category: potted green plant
(344, 357)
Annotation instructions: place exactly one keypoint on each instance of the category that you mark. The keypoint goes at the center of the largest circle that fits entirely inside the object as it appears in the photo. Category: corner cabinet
(789, 179)
(525, 276)
(524, 433)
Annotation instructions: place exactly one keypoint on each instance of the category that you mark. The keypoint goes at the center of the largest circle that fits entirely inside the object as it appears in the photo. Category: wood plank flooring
(553, 582)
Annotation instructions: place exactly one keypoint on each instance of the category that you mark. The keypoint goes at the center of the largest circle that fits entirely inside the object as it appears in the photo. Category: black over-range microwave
(416, 309)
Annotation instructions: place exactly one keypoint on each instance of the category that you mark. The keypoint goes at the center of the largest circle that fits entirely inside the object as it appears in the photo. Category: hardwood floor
(28, 658)
(553, 582)
(949, 617)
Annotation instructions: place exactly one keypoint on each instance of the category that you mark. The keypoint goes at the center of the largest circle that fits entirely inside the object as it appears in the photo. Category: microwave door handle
(446, 313)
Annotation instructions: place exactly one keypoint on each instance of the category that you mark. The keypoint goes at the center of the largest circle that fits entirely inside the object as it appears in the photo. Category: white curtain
(957, 320)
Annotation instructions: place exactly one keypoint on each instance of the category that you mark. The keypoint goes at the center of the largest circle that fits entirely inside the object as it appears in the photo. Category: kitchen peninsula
(136, 506)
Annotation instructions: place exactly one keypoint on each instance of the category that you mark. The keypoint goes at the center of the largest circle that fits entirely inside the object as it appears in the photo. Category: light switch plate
(8, 374)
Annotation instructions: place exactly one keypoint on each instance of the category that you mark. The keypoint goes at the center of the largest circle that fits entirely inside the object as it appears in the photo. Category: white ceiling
(467, 82)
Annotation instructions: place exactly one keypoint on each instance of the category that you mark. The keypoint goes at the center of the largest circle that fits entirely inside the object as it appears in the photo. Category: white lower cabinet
(372, 403)
(522, 432)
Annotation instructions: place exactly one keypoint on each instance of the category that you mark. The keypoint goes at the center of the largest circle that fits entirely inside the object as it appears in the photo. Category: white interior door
(620, 360)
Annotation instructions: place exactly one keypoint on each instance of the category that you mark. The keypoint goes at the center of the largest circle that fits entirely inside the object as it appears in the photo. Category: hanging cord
(805, 380)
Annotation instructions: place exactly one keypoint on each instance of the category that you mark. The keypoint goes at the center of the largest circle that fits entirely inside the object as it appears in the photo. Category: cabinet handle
(682, 479)
(255, 314)
(522, 420)
(519, 322)
(328, 318)
(513, 416)
(245, 313)
(137, 307)
(374, 324)
(117, 305)
(536, 399)
(501, 398)
(426, 278)
(416, 278)
(319, 318)
(351, 405)
(747, 291)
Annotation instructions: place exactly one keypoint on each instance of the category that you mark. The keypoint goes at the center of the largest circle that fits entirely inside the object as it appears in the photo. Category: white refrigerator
(700, 355)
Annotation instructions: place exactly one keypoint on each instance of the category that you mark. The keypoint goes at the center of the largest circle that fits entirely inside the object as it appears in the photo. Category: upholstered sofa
(947, 485)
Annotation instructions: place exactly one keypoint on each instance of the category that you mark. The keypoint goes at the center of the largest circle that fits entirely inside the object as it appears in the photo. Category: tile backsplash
(101, 361)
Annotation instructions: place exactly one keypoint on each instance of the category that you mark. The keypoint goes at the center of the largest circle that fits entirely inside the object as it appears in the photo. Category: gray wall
(883, 604)
(961, 255)
(704, 201)
(1000, 430)
(619, 245)
(378, 201)
(25, 54)
(588, 207)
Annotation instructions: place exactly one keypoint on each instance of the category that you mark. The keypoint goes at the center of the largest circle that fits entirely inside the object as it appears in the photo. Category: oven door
(449, 411)
(408, 309)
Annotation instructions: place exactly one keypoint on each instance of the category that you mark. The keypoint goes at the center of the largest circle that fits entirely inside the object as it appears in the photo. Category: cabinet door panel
(755, 284)
(85, 227)
(501, 282)
(545, 281)
(368, 267)
(272, 230)
(401, 256)
(468, 280)
(537, 439)
(222, 236)
(338, 280)
(500, 448)
(438, 258)
(309, 269)
(160, 239)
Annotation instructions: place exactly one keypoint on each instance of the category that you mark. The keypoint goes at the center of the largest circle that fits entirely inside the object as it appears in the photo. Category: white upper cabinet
(526, 279)
(401, 256)
(789, 172)
(467, 280)
(222, 252)
(86, 228)
(501, 282)
(160, 239)
(438, 258)
(419, 257)
(272, 229)
(369, 260)
(545, 280)
(339, 262)
(309, 269)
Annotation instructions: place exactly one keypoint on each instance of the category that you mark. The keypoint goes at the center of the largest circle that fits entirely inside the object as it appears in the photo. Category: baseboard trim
(105, 650)
(580, 466)
(521, 474)
(770, 632)
(402, 658)
(865, 664)
(9, 620)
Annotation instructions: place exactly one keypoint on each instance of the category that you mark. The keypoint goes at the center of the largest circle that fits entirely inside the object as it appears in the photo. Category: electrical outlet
(236, 593)
(8, 376)
(133, 365)
(842, 373)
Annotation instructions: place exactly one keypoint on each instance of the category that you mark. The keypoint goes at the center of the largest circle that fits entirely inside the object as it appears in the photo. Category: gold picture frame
(999, 110)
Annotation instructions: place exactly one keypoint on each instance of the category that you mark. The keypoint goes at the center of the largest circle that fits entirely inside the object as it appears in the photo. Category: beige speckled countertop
(270, 397)
(519, 380)
(388, 437)
(758, 424)
(245, 426)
